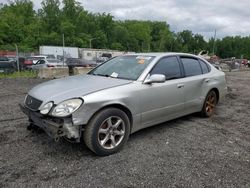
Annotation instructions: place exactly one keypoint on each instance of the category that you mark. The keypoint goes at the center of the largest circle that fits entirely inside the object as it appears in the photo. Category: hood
(73, 86)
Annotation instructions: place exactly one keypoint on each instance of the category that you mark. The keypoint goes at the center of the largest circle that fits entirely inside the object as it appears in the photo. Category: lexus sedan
(123, 95)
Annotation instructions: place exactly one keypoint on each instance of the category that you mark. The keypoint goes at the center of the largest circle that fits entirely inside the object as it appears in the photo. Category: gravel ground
(187, 152)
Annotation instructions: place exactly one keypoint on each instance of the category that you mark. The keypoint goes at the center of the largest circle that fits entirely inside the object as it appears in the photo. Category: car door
(194, 83)
(162, 101)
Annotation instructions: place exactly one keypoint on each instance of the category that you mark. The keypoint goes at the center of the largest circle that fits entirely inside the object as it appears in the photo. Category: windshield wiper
(106, 75)
(124, 78)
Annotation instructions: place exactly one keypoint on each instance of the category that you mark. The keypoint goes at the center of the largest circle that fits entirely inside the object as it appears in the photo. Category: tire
(209, 104)
(107, 131)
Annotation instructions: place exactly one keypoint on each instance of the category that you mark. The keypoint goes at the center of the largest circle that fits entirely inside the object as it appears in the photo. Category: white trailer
(57, 51)
(94, 54)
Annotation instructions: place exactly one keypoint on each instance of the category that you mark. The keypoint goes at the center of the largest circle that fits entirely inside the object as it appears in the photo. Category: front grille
(32, 103)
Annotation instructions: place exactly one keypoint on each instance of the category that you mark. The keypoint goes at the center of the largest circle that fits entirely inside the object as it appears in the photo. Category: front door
(163, 101)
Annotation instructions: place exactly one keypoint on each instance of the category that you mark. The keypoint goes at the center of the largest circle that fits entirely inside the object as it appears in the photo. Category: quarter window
(204, 67)
(169, 67)
(191, 66)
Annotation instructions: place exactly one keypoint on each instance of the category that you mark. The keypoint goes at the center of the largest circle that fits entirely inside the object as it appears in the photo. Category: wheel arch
(216, 92)
(120, 107)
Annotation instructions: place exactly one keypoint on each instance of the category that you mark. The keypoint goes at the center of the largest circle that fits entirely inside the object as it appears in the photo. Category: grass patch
(22, 74)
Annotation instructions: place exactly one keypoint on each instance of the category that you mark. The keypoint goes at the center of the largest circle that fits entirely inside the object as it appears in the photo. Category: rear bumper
(55, 128)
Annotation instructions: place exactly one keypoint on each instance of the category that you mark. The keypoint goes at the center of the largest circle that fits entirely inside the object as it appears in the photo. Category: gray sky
(228, 17)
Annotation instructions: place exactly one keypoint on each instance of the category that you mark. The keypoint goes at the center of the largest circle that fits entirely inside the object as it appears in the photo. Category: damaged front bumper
(54, 127)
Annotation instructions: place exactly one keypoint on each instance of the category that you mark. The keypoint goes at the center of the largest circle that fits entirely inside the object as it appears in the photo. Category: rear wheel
(209, 104)
(107, 131)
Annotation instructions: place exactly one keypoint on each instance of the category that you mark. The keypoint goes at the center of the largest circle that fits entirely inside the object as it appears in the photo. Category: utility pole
(63, 48)
(90, 42)
(214, 41)
(17, 59)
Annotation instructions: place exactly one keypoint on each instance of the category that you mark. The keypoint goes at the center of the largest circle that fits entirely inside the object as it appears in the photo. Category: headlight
(46, 108)
(66, 108)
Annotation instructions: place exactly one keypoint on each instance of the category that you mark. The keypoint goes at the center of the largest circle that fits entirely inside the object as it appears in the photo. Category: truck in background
(59, 51)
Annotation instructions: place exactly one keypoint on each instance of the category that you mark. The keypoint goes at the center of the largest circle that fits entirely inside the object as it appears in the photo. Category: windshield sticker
(144, 57)
(114, 75)
(141, 61)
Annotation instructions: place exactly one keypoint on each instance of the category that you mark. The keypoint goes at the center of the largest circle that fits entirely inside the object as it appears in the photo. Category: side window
(191, 66)
(204, 67)
(41, 62)
(169, 66)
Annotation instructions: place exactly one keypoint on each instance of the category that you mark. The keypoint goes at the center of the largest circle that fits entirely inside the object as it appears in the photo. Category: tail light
(28, 62)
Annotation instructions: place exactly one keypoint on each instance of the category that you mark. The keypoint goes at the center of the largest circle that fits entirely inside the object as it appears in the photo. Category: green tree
(51, 15)
(16, 20)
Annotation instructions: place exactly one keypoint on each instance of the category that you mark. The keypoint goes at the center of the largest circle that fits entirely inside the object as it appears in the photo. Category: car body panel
(73, 87)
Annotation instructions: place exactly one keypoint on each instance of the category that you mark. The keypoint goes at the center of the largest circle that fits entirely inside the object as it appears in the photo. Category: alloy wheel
(210, 103)
(111, 132)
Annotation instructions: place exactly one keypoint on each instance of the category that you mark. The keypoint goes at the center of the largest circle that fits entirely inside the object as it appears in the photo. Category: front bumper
(54, 127)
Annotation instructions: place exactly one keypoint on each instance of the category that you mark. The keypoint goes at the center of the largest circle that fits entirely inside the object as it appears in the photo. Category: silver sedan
(125, 94)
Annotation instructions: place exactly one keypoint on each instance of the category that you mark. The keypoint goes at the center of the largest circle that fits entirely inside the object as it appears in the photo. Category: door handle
(207, 80)
(180, 85)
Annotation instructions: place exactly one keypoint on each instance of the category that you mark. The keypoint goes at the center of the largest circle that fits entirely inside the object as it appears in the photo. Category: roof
(162, 54)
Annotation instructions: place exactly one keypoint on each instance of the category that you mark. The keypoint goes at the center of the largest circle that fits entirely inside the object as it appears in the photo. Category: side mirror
(155, 78)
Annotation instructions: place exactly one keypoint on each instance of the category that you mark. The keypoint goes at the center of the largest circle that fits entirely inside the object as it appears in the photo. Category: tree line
(22, 25)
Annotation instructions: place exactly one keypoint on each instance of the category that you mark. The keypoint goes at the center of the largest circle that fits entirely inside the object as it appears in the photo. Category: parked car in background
(28, 62)
(34, 59)
(101, 60)
(124, 95)
(76, 62)
(11, 58)
(6, 65)
(44, 63)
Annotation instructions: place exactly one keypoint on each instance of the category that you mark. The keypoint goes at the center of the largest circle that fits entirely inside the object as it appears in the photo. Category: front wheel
(209, 104)
(107, 131)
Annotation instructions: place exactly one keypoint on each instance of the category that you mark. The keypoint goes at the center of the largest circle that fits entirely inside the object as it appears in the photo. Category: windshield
(124, 67)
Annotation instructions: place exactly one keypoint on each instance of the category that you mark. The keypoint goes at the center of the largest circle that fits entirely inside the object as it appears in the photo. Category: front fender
(126, 95)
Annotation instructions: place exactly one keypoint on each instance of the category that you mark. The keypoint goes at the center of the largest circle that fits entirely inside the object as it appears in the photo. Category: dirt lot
(187, 152)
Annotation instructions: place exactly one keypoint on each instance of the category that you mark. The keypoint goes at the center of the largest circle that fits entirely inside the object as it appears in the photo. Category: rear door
(194, 83)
